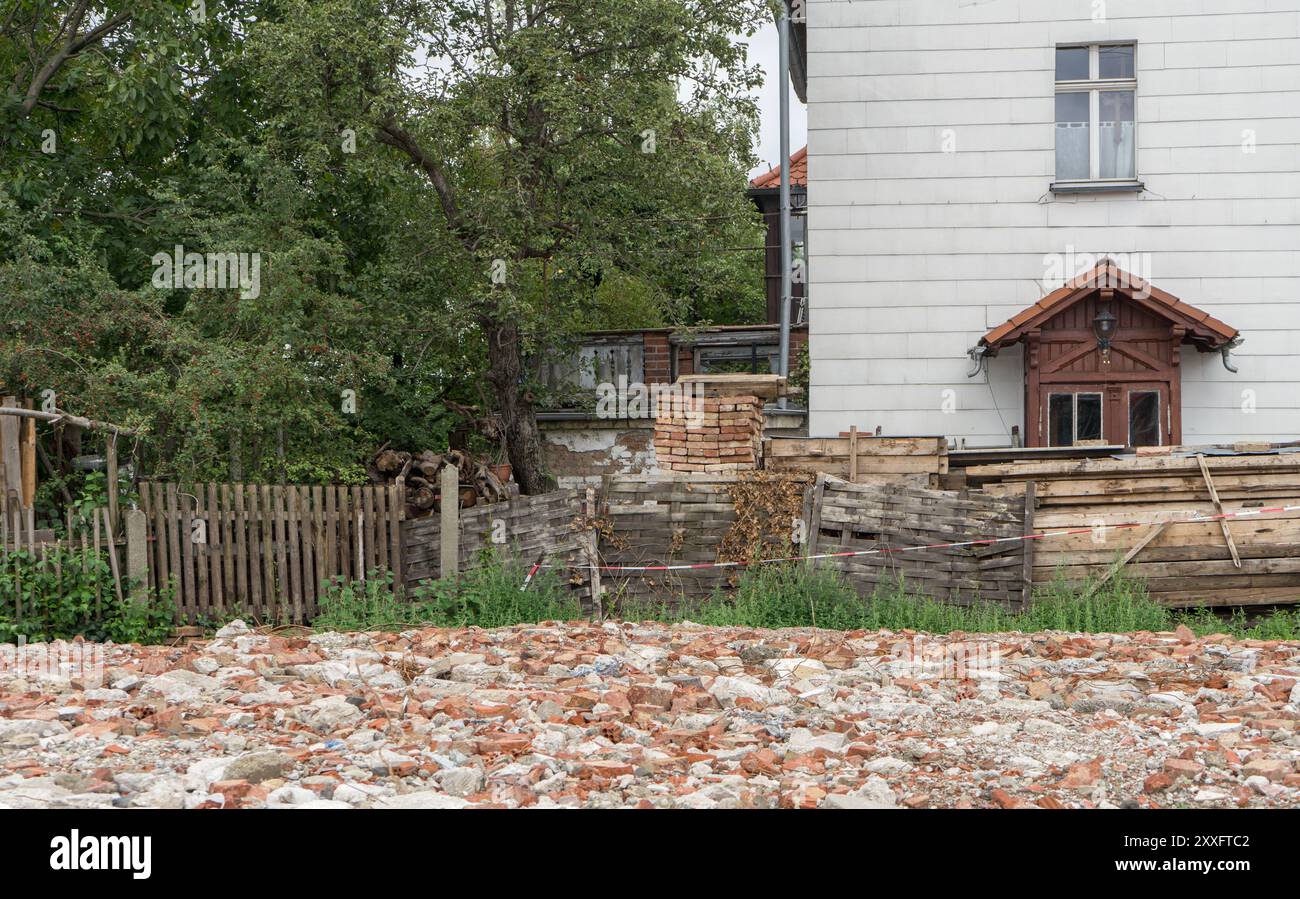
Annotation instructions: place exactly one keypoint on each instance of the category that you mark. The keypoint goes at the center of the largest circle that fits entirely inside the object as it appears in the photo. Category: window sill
(1097, 187)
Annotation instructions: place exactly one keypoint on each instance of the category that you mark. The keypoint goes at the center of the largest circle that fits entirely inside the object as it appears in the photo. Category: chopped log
(390, 462)
(420, 498)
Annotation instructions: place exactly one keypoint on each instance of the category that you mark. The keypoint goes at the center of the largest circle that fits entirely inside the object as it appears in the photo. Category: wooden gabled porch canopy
(1123, 389)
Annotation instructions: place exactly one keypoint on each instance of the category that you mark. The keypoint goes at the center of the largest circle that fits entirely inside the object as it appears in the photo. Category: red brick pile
(724, 435)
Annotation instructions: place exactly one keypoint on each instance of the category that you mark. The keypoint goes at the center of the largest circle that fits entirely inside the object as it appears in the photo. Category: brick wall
(657, 356)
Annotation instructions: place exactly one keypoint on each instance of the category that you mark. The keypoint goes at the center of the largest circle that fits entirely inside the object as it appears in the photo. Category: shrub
(69, 593)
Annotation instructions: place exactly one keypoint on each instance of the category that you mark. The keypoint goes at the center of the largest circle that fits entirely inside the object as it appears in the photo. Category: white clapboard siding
(916, 252)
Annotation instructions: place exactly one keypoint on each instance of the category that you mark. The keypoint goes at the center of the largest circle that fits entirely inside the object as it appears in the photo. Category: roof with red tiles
(798, 172)
(1202, 328)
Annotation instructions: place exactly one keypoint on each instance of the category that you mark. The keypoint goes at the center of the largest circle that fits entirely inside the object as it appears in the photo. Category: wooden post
(1031, 500)
(10, 454)
(111, 545)
(28, 454)
(110, 474)
(450, 521)
(592, 540)
(853, 454)
(813, 523)
(137, 554)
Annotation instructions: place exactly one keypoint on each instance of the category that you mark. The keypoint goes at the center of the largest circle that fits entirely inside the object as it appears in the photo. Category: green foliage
(227, 135)
(70, 593)
(488, 595)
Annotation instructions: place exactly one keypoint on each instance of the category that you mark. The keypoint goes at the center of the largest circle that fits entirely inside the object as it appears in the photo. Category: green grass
(792, 595)
(774, 596)
(487, 595)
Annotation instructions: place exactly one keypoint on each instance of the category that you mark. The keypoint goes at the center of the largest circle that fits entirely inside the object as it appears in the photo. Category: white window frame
(1094, 86)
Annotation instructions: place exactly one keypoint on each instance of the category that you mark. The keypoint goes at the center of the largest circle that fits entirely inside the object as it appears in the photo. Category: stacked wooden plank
(1183, 564)
(711, 435)
(862, 458)
(855, 518)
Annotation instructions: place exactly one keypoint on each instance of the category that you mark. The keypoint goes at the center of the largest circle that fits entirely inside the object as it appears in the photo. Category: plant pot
(501, 471)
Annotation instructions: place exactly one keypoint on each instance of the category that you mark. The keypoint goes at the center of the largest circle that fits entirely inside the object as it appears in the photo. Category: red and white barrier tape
(889, 550)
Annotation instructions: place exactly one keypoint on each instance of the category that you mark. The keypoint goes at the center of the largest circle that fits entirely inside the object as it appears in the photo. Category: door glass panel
(1144, 418)
(1061, 419)
(1088, 417)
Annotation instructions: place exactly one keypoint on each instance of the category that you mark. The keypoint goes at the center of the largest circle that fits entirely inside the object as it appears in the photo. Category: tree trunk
(515, 404)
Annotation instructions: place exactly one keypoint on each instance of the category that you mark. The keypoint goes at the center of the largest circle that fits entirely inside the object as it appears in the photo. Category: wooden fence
(665, 520)
(265, 551)
(852, 518)
(683, 520)
(527, 529)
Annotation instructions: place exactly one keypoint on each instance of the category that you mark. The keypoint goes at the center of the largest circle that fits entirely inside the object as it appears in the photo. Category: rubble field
(644, 715)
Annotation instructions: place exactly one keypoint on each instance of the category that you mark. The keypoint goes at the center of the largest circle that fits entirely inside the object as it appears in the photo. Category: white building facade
(966, 159)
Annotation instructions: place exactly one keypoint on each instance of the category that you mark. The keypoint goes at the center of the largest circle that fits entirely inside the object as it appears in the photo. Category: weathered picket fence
(266, 550)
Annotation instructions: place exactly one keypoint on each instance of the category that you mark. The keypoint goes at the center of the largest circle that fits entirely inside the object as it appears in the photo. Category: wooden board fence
(855, 517)
(525, 529)
(665, 520)
(658, 520)
(265, 550)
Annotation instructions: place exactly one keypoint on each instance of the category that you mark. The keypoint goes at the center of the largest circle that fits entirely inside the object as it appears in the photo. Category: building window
(1074, 419)
(1144, 418)
(1096, 116)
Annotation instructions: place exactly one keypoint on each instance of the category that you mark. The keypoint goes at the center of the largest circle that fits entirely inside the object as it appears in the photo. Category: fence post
(1027, 572)
(592, 538)
(137, 554)
(449, 537)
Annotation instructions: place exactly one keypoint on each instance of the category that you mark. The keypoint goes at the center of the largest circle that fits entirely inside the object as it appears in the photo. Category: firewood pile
(479, 482)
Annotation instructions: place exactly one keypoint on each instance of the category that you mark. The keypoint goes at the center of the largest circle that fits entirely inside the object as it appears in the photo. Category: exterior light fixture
(1104, 326)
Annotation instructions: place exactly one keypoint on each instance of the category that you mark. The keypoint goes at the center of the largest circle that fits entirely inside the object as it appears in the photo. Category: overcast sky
(763, 51)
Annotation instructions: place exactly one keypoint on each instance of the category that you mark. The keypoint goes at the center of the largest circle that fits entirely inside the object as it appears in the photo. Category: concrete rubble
(651, 715)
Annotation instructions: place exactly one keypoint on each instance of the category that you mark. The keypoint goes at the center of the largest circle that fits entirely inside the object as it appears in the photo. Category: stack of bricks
(714, 434)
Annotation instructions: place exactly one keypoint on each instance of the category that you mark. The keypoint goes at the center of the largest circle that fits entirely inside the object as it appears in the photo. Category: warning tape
(1197, 518)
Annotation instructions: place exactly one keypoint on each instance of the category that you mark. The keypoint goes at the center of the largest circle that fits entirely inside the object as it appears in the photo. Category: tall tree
(562, 141)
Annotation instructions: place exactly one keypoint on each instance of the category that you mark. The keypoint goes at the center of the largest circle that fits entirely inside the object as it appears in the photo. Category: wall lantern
(1104, 326)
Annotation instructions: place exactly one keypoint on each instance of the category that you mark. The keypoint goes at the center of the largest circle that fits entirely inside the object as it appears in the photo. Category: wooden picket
(264, 551)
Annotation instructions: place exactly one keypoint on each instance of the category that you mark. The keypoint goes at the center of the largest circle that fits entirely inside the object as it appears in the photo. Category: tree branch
(74, 45)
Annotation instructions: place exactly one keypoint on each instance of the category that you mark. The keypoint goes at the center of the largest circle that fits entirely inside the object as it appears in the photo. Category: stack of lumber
(862, 458)
(422, 475)
(709, 435)
(1253, 560)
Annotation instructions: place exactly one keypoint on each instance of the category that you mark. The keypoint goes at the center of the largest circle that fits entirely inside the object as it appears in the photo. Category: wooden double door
(1116, 413)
